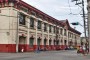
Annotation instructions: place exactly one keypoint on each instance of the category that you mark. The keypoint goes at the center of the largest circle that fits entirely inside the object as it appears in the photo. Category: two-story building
(24, 27)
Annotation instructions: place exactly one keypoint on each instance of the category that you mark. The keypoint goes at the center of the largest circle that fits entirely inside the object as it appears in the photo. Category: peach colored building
(24, 27)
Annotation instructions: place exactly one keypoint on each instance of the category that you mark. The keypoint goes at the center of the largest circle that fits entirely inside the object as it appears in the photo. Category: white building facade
(25, 27)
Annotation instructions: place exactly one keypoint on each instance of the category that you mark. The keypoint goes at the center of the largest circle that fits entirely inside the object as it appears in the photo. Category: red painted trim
(27, 48)
(7, 48)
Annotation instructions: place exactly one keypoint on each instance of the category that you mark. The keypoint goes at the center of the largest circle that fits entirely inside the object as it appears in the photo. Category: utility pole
(88, 8)
(84, 19)
(83, 11)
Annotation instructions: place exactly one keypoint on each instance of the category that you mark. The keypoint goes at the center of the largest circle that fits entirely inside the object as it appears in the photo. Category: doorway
(22, 42)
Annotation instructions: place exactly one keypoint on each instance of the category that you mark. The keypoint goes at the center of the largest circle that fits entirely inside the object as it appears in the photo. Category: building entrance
(22, 42)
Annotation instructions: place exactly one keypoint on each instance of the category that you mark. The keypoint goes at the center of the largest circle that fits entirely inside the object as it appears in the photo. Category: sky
(61, 10)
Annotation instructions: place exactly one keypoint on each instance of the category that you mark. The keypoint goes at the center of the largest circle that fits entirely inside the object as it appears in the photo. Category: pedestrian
(87, 49)
(78, 48)
(22, 50)
(38, 49)
(84, 50)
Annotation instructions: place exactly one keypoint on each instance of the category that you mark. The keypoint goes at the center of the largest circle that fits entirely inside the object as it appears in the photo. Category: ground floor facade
(33, 41)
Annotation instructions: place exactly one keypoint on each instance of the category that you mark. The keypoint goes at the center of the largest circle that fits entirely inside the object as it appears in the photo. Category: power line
(71, 9)
(76, 14)
(69, 6)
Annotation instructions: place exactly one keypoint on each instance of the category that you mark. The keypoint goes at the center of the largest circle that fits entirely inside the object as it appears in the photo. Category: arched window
(45, 42)
(50, 41)
(65, 41)
(38, 41)
(31, 42)
(54, 42)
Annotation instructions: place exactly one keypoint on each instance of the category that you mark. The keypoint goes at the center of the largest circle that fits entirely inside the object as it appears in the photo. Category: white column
(63, 37)
(42, 33)
(67, 37)
(28, 28)
(36, 32)
(74, 39)
(59, 36)
(48, 35)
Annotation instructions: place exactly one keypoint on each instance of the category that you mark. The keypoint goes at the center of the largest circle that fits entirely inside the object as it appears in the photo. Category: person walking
(84, 50)
(87, 48)
(78, 49)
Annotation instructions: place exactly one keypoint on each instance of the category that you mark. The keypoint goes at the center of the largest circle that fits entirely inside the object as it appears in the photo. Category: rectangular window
(22, 19)
(68, 34)
(64, 32)
(32, 22)
(50, 42)
(57, 30)
(31, 42)
(50, 28)
(61, 31)
(45, 27)
(72, 35)
(39, 24)
(54, 29)
(54, 42)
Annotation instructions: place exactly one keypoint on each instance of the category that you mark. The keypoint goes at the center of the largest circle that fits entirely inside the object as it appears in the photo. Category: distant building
(84, 40)
(24, 27)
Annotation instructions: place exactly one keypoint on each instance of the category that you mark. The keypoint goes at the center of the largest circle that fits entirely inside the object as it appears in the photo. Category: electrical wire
(77, 13)
(69, 7)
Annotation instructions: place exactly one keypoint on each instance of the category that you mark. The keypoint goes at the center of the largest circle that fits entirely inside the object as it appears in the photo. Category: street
(47, 55)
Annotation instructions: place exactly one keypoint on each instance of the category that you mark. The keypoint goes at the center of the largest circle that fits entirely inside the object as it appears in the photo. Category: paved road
(48, 55)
